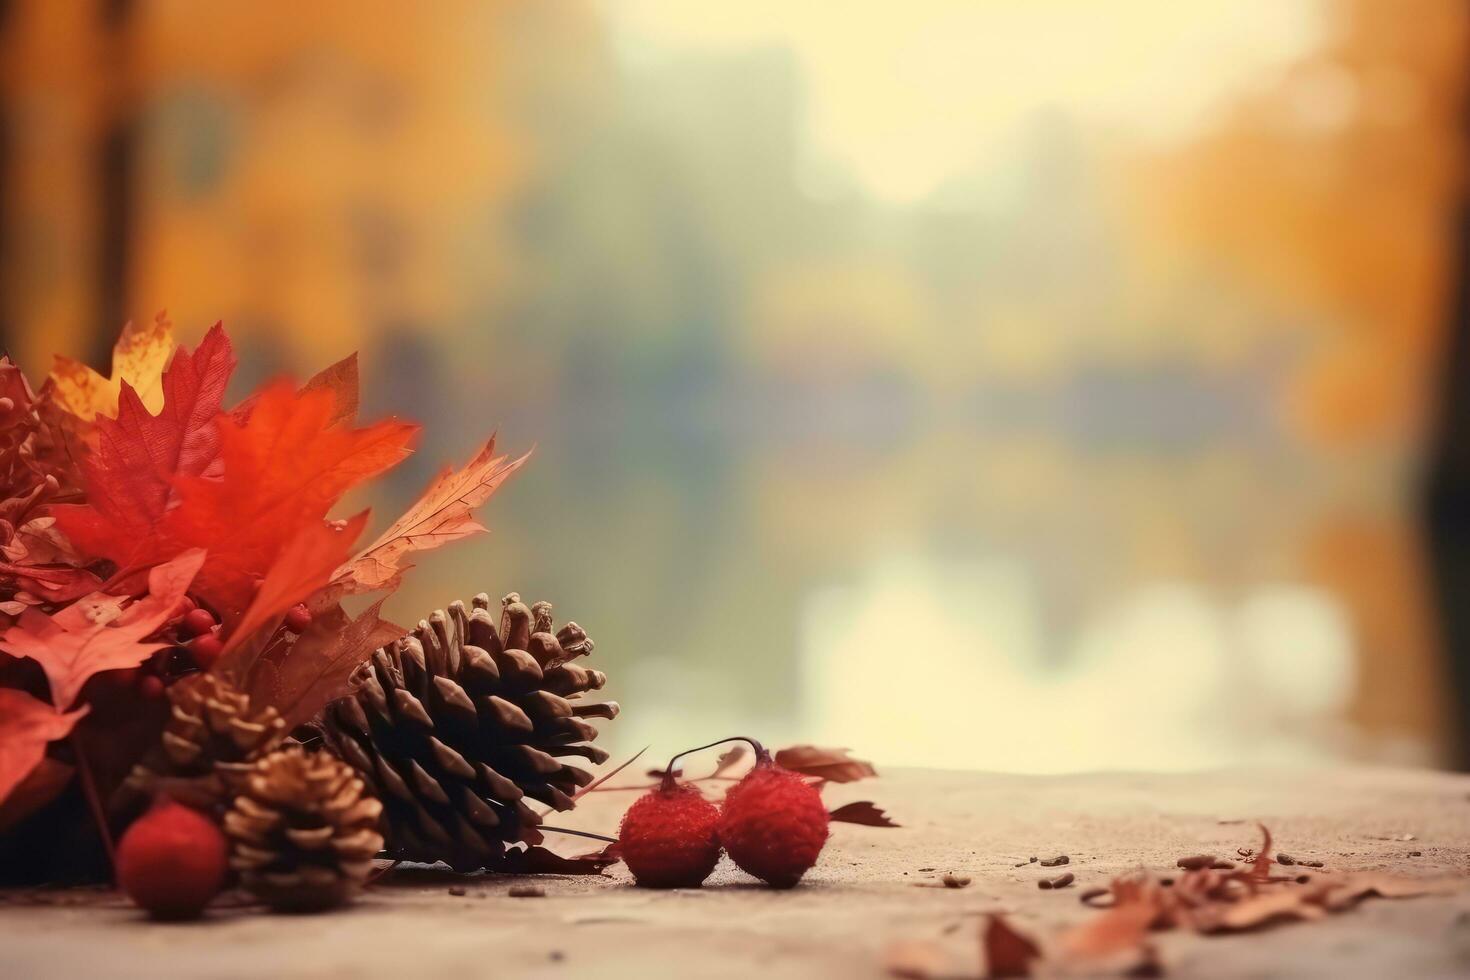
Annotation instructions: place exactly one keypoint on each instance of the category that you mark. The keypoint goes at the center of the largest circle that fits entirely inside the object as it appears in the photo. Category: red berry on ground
(773, 824)
(197, 622)
(668, 837)
(151, 686)
(206, 649)
(299, 618)
(172, 861)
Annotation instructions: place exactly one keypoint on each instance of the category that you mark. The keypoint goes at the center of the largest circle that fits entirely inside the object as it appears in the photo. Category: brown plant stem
(94, 800)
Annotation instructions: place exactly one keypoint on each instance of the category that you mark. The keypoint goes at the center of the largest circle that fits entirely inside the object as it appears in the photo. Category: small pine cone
(212, 739)
(303, 832)
(458, 723)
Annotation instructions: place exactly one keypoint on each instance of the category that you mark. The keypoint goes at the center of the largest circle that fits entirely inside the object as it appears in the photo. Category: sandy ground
(859, 898)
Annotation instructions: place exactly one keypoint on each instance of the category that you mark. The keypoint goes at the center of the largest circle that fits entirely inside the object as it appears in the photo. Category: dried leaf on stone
(863, 812)
(832, 765)
(536, 860)
(1005, 951)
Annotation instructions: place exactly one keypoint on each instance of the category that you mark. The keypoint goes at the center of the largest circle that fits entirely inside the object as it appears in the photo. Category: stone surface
(858, 899)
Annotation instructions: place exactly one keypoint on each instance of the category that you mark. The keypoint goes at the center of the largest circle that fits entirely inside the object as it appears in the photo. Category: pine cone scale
(463, 722)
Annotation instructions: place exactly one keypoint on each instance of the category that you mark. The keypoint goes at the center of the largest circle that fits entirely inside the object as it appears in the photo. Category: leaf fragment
(27, 726)
(832, 765)
(138, 358)
(863, 812)
(442, 515)
(97, 633)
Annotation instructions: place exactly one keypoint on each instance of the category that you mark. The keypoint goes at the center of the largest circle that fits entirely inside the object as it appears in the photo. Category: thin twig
(578, 833)
(94, 801)
(605, 777)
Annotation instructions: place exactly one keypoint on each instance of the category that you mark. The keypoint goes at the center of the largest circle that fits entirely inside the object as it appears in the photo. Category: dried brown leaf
(442, 515)
(1006, 952)
(863, 812)
(1256, 910)
(299, 678)
(541, 861)
(832, 765)
(1341, 893)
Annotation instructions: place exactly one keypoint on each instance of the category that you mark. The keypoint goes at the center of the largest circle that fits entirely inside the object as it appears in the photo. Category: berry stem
(761, 755)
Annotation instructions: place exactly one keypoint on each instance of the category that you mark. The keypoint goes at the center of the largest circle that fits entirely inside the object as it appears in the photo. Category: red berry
(185, 606)
(773, 824)
(668, 837)
(172, 861)
(197, 622)
(299, 618)
(206, 649)
(151, 686)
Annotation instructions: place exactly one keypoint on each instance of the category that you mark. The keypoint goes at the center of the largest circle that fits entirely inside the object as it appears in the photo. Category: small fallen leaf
(1256, 910)
(1006, 952)
(833, 765)
(863, 812)
(536, 860)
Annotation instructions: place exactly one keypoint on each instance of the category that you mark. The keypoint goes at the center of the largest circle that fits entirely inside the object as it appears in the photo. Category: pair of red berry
(772, 823)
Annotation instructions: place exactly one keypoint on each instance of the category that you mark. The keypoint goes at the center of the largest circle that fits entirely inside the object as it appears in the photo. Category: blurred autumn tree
(315, 179)
(1332, 193)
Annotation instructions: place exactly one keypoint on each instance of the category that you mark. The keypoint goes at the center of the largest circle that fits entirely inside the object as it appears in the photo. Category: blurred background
(1029, 385)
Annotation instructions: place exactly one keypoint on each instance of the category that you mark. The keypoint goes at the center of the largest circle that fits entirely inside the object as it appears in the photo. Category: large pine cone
(212, 739)
(302, 833)
(458, 723)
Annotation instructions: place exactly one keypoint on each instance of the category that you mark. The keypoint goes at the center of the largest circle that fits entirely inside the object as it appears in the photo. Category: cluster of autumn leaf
(1209, 897)
(126, 498)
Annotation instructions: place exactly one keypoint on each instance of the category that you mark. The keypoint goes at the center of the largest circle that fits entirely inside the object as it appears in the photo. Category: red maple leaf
(129, 478)
(283, 468)
(100, 632)
(26, 726)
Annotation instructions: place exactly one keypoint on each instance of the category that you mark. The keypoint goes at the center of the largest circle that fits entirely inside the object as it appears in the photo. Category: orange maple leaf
(138, 357)
(441, 515)
(301, 569)
(283, 467)
(100, 632)
(26, 726)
